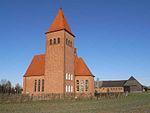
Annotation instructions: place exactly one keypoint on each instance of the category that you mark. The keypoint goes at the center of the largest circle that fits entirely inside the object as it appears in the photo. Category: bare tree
(7, 88)
(3, 85)
(18, 88)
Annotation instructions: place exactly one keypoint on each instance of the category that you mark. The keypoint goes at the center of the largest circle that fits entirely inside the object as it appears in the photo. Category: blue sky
(112, 36)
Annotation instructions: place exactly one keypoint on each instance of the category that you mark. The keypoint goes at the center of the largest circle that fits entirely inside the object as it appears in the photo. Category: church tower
(59, 57)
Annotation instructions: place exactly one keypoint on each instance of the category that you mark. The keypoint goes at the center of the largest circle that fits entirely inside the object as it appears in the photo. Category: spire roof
(60, 23)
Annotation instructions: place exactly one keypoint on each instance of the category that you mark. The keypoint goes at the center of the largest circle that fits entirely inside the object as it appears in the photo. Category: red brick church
(59, 70)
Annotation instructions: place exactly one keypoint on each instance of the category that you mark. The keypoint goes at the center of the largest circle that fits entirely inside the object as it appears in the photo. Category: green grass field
(134, 103)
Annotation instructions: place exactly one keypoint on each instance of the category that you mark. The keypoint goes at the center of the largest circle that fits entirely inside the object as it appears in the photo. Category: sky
(112, 36)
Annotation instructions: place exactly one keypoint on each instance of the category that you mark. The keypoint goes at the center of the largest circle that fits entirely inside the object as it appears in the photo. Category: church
(59, 70)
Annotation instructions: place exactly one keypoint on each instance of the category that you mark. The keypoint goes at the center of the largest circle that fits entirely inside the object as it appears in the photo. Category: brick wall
(90, 84)
(29, 85)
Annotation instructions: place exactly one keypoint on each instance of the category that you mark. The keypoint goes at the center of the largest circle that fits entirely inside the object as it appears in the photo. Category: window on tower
(71, 88)
(69, 43)
(50, 42)
(58, 40)
(66, 76)
(71, 77)
(66, 41)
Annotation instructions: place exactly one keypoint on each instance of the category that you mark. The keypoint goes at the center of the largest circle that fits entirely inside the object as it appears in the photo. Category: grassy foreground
(134, 103)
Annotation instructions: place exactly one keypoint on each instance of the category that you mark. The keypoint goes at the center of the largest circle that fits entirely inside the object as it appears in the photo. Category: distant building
(110, 86)
(59, 70)
(120, 86)
(132, 85)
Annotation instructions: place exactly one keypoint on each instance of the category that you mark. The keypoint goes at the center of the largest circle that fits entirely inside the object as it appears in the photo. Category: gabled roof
(119, 83)
(37, 66)
(132, 82)
(60, 23)
(81, 68)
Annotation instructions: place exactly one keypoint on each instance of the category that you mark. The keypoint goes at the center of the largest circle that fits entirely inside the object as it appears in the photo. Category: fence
(5, 98)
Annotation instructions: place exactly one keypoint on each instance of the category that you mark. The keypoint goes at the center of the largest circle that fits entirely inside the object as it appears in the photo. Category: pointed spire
(60, 23)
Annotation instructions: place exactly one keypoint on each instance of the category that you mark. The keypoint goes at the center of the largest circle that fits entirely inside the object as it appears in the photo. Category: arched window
(50, 42)
(58, 41)
(54, 40)
(69, 42)
(66, 41)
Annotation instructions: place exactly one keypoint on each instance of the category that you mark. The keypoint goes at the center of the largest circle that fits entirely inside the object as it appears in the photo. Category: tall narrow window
(50, 42)
(54, 40)
(66, 88)
(58, 40)
(77, 83)
(35, 85)
(42, 85)
(71, 76)
(38, 85)
(71, 88)
(86, 85)
(69, 42)
(66, 76)
(82, 86)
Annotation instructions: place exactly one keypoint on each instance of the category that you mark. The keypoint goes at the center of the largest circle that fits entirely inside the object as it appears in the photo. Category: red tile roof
(81, 68)
(60, 23)
(37, 66)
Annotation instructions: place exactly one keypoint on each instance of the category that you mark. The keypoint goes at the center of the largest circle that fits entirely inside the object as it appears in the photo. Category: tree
(3, 85)
(8, 87)
(18, 88)
(0, 88)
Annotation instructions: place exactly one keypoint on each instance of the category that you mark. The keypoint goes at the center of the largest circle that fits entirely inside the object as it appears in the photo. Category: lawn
(134, 103)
